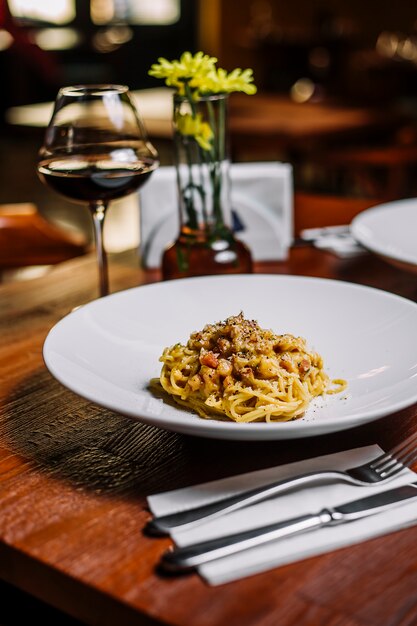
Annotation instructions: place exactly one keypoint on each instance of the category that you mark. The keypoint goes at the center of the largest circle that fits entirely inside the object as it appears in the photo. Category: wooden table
(269, 125)
(74, 478)
(265, 124)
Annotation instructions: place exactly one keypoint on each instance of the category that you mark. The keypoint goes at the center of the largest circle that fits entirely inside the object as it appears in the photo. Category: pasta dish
(235, 369)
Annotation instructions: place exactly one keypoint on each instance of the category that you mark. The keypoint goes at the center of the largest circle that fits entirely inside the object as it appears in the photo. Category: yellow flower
(193, 75)
(178, 72)
(195, 127)
(221, 82)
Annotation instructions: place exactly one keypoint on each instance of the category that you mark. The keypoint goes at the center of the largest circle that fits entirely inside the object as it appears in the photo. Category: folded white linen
(261, 200)
(292, 504)
(335, 239)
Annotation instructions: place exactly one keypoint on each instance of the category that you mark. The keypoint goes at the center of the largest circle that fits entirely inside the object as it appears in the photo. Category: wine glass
(95, 150)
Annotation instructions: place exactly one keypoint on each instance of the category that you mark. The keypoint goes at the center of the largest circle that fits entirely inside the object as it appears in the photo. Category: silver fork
(381, 469)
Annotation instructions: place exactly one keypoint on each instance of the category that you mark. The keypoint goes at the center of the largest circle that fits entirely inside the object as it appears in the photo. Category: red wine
(91, 178)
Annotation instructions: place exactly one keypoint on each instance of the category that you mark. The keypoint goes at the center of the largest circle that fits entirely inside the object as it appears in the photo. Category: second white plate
(390, 230)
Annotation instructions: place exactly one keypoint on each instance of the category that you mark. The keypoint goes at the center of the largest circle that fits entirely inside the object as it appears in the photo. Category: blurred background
(337, 83)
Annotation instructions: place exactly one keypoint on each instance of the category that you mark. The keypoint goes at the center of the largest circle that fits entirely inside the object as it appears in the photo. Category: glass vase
(205, 243)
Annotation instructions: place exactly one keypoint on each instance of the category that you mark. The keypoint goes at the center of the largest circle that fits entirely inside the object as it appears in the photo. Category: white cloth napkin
(308, 500)
(261, 199)
(335, 239)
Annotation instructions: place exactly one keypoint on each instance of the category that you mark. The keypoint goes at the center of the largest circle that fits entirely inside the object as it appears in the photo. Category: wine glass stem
(98, 211)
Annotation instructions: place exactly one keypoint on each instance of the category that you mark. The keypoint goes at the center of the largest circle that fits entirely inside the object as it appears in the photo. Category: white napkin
(261, 199)
(335, 239)
(308, 500)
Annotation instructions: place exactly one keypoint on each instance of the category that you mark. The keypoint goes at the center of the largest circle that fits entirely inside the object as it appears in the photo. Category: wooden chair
(27, 239)
(387, 172)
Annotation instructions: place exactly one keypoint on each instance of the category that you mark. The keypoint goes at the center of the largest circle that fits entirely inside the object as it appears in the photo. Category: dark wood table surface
(74, 479)
(270, 123)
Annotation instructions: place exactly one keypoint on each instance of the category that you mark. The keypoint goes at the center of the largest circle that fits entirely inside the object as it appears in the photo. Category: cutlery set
(380, 470)
(185, 559)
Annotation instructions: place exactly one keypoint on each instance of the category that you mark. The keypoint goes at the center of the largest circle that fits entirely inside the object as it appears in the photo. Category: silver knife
(180, 560)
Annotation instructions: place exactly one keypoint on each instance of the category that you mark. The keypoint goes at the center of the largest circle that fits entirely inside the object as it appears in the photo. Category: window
(49, 11)
(157, 12)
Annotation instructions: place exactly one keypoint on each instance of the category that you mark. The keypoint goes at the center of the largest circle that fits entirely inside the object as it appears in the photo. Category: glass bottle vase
(205, 243)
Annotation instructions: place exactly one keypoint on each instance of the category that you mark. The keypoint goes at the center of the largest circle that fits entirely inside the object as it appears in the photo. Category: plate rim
(360, 220)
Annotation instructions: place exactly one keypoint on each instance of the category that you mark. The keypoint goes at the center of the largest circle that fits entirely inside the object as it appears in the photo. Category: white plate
(390, 230)
(108, 350)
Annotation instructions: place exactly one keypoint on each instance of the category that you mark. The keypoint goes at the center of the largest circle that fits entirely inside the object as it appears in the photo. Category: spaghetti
(237, 370)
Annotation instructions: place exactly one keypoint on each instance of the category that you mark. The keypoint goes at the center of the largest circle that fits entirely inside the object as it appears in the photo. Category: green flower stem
(218, 125)
(192, 187)
(222, 130)
(211, 160)
(201, 157)
(189, 202)
(189, 96)
(214, 128)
